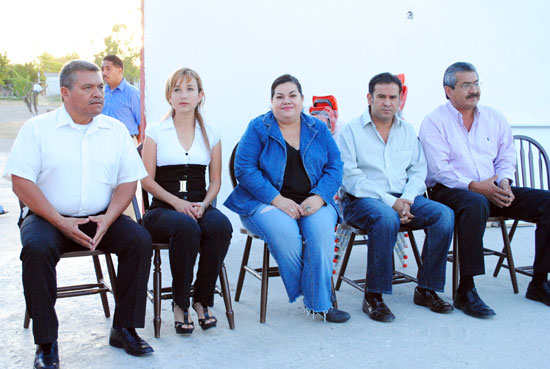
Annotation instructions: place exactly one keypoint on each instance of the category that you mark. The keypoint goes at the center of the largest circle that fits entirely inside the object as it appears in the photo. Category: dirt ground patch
(13, 113)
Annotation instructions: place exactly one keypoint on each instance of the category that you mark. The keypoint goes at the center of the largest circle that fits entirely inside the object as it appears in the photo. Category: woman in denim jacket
(288, 170)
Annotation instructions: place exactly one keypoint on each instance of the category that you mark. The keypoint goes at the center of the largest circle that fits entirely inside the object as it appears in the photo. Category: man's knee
(387, 220)
(446, 218)
(39, 240)
(474, 207)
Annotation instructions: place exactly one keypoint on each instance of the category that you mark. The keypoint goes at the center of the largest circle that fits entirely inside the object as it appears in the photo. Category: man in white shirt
(383, 187)
(76, 171)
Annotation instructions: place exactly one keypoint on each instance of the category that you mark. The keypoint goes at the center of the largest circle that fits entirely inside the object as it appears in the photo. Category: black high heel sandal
(204, 324)
(179, 326)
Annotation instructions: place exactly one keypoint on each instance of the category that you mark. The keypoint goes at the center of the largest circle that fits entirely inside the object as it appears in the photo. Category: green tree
(121, 45)
(4, 69)
(22, 77)
(49, 63)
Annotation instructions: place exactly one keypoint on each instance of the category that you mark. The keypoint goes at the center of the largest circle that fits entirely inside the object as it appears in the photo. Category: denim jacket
(260, 163)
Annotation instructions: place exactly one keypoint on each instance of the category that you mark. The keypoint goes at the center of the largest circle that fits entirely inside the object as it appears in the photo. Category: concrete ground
(516, 338)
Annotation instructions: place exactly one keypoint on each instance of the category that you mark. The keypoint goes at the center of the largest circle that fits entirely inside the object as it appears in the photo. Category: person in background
(288, 170)
(177, 152)
(122, 100)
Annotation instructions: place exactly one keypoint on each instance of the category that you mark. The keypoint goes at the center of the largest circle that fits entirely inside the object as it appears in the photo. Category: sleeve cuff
(389, 199)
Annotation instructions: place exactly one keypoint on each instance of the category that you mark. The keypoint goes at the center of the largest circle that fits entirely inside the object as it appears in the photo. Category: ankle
(373, 296)
(466, 283)
(539, 279)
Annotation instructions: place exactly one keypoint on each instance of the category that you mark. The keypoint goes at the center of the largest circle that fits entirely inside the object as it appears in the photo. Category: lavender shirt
(457, 157)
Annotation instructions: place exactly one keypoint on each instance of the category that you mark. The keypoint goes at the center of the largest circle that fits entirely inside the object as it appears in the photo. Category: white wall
(239, 47)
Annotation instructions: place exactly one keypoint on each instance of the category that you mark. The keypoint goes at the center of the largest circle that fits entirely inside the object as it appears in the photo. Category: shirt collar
(168, 123)
(64, 119)
(121, 86)
(458, 114)
(366, 118)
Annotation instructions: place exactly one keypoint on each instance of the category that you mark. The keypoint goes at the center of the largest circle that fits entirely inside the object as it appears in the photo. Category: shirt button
(186, 153)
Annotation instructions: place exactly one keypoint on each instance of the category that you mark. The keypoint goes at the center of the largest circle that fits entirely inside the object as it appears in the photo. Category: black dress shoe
(430, 299)
(539, 293)
(471, 304)
(336, 316)
(46, 357)
(128, 339)
(376, 309)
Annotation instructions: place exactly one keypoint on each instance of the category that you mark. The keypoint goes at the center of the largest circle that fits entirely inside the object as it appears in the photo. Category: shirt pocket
(107, 169)
(401, 159)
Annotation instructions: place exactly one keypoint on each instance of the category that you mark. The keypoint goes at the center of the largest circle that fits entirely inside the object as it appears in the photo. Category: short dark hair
(284, 79)
(115, 60)
(66, 77)
(384, 78)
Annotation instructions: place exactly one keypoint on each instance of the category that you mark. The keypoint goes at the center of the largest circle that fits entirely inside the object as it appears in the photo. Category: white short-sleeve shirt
(171, 152)
(77, 169)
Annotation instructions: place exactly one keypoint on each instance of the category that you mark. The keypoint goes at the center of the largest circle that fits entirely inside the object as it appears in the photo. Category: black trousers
(472, 211)
(42, 246)
(211, 235)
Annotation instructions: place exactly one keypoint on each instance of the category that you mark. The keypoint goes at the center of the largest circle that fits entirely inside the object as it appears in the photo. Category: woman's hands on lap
(186, 207)
(311, 205)
(292, 209)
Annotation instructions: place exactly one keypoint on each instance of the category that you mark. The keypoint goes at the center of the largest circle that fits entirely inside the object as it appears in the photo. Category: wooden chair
(101, 287)
(398, 277)
(532, 170)
(265, 270)
(159, 293)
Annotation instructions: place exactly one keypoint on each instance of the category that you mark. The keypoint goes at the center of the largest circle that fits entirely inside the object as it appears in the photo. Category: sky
(60, 27)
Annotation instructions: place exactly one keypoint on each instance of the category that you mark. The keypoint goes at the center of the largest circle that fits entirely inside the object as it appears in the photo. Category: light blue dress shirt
(123, 103)
(379, 170)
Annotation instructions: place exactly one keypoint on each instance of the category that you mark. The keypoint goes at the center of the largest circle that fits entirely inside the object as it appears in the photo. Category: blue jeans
(382, 224)
(305, 269)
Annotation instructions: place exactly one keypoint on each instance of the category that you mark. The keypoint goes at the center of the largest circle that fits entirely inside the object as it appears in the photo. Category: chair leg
(227, 297)
(455, 262)
(157, 290)
(501, 258)
(414, 247)
(265, 280)
(112, 273)
(27, 320)
(345, 260)
(334, 299)
(510, 259)
(99, 277)
(242, 271)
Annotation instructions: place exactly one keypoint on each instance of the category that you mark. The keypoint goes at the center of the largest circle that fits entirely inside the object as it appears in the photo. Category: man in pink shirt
(471, 165)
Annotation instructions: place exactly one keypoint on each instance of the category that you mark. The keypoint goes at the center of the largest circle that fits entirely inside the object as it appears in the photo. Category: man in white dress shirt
(383, 187)
(76, 171)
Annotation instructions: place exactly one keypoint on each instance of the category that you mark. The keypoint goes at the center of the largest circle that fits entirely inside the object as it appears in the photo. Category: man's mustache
(472, 95)
(95, 101)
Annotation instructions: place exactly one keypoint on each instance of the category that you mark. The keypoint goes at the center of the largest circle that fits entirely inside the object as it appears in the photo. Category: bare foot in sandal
(205, 320)
(182, 320)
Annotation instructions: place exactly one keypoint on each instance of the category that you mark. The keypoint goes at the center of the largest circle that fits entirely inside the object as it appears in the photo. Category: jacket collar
(307, 130)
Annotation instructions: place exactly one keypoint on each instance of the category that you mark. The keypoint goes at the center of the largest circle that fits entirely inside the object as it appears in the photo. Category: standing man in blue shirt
(122, 100)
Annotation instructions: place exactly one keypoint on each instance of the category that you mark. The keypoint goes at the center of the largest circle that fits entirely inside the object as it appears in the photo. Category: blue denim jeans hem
(382, 224)
(303, 249)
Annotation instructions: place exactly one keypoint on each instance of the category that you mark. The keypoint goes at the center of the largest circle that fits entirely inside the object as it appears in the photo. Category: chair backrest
(532, 164)
(232, 166)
